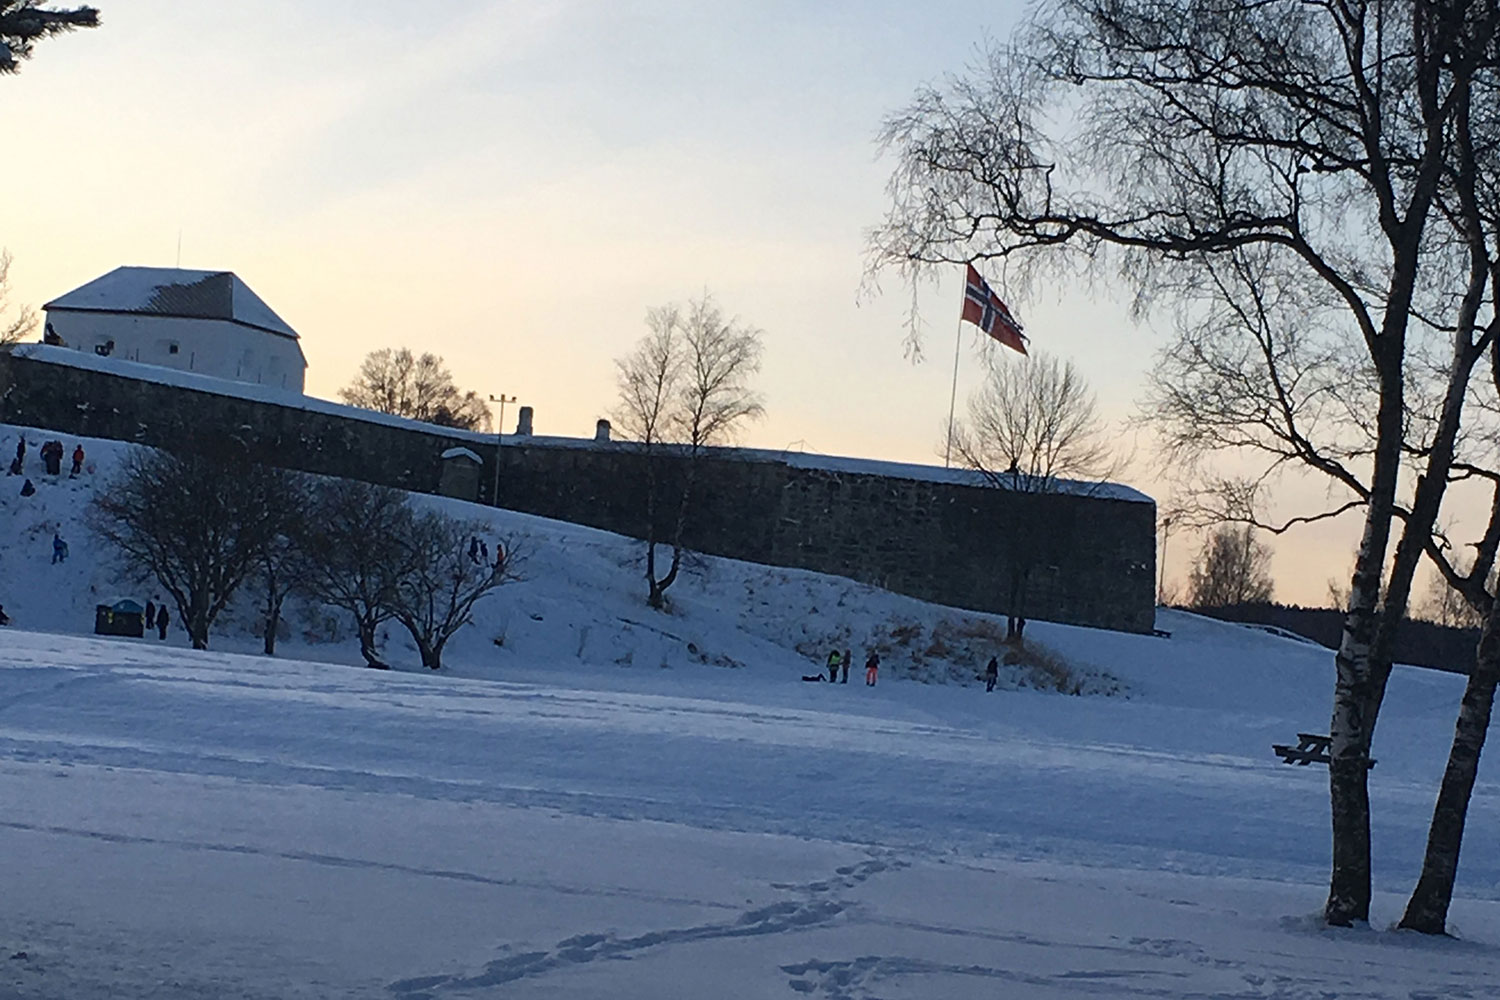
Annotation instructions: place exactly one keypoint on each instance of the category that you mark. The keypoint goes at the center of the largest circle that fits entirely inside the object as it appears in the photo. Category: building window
(172, 348)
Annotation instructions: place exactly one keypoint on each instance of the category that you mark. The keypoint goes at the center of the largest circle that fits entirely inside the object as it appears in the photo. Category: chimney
(523, 423)
(601, 430)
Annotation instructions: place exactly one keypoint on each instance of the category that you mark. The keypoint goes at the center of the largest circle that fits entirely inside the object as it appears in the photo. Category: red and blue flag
(983, 308)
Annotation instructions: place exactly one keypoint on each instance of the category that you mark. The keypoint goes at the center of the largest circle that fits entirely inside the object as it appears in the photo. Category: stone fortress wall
(934, 534)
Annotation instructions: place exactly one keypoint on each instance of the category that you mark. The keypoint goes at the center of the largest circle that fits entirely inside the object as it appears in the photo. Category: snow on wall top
(296, 400)
(861, 467)
(170, 291)
(462, 453)
(199, 382)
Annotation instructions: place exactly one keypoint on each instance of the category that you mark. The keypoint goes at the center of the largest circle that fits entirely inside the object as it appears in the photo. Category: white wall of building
(208, 346)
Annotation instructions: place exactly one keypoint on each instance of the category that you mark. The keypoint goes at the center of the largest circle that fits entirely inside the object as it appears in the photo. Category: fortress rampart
(935, 534)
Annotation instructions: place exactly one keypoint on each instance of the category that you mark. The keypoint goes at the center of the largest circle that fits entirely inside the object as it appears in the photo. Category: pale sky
(513, 184)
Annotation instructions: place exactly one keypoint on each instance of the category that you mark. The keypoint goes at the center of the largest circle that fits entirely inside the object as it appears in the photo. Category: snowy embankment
(580, 600)
(617, 803)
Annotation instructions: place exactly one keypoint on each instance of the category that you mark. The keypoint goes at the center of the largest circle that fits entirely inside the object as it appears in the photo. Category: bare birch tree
(444, 577)
(1154, 141)
(649, 378)
(1234, 567)
(1427, 909)
(686, 387)
(1032, 427)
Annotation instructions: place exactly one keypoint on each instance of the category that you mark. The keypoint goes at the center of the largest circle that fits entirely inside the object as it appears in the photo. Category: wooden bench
(1311, 748)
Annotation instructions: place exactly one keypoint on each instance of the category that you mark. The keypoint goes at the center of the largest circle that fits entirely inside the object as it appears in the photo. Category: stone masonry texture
(1075, 559)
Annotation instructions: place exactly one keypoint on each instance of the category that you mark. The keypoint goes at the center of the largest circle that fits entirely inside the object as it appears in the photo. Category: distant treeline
(1424, 644)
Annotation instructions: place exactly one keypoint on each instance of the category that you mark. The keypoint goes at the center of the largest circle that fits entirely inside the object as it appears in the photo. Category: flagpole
(958, 336)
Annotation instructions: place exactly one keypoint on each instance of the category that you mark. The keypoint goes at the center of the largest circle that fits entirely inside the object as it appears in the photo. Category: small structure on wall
(208, 322)
(460, 476)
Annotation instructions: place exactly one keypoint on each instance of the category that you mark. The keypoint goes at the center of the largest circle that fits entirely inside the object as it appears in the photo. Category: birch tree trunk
(1427, 910)
(1349, 881)
(1348, 769)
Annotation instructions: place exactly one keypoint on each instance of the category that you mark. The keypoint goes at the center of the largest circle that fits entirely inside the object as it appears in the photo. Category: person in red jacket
(77, 460)
(872, 667)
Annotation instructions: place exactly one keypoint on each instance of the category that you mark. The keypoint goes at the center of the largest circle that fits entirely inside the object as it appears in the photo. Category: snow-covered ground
(615, 803)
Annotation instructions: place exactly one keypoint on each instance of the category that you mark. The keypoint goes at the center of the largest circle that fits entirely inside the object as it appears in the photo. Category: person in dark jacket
(991, 674)
(52, 454)
(848, 658)
(20, 462)
(833, 666)
(872, 668)
(151, 614)
(59, 549)
(161, 622)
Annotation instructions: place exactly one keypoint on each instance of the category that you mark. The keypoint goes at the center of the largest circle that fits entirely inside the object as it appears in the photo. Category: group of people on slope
(51, 454)
(838, 668)
(479, 552)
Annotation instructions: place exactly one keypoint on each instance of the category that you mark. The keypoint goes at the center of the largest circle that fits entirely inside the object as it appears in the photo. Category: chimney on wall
(523, 422)
(601, 430)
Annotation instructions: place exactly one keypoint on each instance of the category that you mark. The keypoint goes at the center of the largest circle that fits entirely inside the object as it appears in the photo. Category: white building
(201, 321)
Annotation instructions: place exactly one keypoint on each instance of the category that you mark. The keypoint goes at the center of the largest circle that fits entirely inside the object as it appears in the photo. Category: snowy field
(594, 800)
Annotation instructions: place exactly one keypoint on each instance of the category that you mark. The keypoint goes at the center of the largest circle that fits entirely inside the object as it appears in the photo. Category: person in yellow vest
(833, 666)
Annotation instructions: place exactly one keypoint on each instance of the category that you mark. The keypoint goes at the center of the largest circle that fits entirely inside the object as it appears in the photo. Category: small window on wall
(173, 348)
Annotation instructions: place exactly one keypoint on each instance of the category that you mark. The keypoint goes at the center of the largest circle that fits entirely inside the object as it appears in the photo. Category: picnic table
(1311, 748)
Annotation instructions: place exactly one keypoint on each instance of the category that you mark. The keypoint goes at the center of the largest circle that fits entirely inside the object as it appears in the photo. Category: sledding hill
(580, 601)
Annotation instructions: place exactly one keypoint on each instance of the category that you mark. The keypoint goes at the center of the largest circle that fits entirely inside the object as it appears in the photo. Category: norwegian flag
(983, 308)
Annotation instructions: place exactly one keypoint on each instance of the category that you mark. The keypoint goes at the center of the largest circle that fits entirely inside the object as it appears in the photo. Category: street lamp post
(502, 399)
(1166, 535)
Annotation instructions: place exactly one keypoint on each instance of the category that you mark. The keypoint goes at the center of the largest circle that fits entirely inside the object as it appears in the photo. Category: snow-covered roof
(463, 453)
(172, 291)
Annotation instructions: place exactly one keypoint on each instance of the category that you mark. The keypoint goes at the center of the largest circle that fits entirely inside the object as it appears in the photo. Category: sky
(512, 185)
